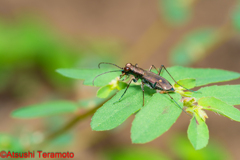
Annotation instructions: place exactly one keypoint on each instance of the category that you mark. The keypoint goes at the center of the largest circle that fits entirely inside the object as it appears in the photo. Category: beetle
(148, 78)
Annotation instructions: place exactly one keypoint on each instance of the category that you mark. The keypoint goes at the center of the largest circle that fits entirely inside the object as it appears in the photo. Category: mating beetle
(152, 80)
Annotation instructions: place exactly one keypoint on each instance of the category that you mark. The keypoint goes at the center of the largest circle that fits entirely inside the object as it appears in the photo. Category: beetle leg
(124, 92)
(135, 80)
(178, 104)
(159, 71)
(151, 67)
(162, 66)
(174, 100)
(122, 75)
(154, 85)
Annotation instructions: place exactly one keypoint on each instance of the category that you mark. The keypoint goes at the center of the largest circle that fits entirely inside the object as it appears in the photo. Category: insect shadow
(152, 80)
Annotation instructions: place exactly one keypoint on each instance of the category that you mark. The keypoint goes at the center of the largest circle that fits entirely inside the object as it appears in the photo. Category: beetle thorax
(129, 65)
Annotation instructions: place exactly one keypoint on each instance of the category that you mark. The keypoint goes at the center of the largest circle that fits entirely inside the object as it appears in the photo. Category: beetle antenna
(181, 108)
(178, 104)
(109, 63)
(104, 73)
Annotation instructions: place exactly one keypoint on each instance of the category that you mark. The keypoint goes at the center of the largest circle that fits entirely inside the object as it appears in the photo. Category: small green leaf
(10, 143)
(227, 93)
(198, 132)
(193, 47)
(104, 91)
(89, 74)
(218, 106)
(203, 76)
(121, 85)
(176, 12)
(62, 140)
(196, 109)
(187, 83)
(45, 109)
(114, 113)
(187, 94)
(236, 17)
(155, 118)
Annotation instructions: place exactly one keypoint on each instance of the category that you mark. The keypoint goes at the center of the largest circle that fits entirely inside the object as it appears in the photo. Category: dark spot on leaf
(208, 106)
(165, 110)
(197, 122)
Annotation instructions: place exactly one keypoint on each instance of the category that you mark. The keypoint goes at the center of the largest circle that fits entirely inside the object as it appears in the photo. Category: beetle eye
(126, 69)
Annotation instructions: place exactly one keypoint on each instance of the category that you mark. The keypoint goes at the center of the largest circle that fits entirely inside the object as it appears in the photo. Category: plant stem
(69, 125)
(74, 121)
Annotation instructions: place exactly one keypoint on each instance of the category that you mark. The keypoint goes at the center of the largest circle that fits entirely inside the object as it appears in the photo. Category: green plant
(31, 51)
(179, 147)
(159, 112)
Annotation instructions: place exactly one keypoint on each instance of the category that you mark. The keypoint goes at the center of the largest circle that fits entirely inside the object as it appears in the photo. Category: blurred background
(37, 37)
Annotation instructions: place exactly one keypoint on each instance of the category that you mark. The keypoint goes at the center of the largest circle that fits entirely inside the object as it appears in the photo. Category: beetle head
(128, 67)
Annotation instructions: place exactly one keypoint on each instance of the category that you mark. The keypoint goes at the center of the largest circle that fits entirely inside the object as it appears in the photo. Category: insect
(148, 78)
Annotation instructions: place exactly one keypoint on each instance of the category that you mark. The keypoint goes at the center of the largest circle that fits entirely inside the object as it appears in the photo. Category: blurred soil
(127, 20)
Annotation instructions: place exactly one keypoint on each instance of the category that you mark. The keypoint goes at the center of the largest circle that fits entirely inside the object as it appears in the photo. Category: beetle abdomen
(156, 82)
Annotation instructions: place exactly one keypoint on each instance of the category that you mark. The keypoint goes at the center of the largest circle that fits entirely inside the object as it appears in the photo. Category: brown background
(127, 21)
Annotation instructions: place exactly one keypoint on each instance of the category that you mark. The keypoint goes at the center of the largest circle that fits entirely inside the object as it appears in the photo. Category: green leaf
(45, 109)
(193, 47)
(182, 149)
(227, 93)
(187, 94)
(176, 12)
(236, 17)
(63, 140)
(112, 114)
(10, 143)
(187, 83)
(198, 132)
(155, 118)
(218, 106)
(89, 74)
(104, 91)
(203, 76)
(121, 85)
